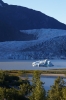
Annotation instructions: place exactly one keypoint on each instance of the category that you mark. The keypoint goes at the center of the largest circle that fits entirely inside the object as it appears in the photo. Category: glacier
(49, 43)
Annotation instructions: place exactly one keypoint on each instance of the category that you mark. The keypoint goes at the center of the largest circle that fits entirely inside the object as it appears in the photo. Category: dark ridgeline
(15, 18)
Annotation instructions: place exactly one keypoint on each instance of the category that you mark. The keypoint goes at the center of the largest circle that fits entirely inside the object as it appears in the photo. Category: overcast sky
(53, 8)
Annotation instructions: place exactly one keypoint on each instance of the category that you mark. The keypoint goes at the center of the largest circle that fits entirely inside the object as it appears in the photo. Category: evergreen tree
(56, 91)
(38, 91)
(64, 93)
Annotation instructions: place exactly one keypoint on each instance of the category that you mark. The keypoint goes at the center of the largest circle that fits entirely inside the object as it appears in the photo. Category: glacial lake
(27, 65)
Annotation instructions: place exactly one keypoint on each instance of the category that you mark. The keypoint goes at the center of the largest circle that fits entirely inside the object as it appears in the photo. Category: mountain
(14, 18)
(30, 34)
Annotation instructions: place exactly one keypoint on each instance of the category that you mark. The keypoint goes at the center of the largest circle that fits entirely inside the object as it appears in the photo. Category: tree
(64, 93)
(56, 91)
(38, 91)
(25, 89)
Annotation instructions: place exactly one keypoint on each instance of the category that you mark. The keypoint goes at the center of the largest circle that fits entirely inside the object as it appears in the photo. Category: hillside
(29, 34)
(14, 18)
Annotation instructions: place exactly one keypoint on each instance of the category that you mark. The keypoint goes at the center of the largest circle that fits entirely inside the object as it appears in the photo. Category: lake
(27, 65)
(49, 81)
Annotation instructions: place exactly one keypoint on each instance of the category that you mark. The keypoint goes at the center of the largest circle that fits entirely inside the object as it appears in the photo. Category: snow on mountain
(48, 42)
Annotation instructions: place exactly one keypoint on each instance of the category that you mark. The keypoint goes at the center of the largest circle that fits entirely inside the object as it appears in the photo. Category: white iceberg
(42, 63)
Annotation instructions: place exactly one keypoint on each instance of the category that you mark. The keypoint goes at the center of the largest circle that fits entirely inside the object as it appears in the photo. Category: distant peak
(2, 4)
(1, 1)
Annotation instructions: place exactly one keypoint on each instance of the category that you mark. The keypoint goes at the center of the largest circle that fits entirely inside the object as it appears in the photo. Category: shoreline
(54, 75)
(51, 75)
(45, 76)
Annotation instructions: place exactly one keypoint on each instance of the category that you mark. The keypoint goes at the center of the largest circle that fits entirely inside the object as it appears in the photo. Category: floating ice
(42, 63)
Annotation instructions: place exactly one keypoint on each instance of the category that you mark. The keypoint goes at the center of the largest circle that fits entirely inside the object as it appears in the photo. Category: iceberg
(42, 63)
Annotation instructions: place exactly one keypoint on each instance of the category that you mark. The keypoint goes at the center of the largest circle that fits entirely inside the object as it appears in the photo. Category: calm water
(48, 81)
(27, 65)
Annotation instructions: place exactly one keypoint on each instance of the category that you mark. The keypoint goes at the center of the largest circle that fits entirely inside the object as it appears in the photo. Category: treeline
(51, 71)
(12, 87)
(15, 88)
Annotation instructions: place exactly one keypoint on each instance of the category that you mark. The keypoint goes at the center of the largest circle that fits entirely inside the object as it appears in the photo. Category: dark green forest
(13, 87)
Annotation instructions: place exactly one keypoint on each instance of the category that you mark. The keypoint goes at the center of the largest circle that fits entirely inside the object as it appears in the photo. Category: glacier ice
(42, 63)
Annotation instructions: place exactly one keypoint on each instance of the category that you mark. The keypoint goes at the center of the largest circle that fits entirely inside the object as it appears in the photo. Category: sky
(53, 8)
